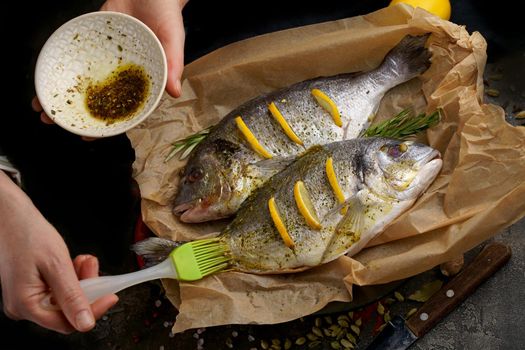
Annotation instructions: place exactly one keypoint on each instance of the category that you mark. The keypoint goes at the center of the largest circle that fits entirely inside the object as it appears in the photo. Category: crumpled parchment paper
(480, 190)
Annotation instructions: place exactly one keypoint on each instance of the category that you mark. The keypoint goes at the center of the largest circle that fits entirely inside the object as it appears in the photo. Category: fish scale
(205, 193)
(256, 245)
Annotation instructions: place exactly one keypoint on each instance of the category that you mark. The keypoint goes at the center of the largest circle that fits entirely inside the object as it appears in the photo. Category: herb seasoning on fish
(119, 96)
(269, 131)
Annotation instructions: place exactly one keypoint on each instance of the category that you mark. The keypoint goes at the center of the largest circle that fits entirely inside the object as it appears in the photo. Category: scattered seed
(358, 322)
(171, 334)
(341, 334)
(318, 322)
(343, 323)
(328, 319)
(235, 334)
(158, 303)
(314, 344)
(355, 329)
(251, 338)
(287, 344)
(327, 332)
(300, 341)
(410, 312)
(381, 327)
(166, 324)
(200, 330)
(389, 301)
(317, 332)
(520, 115)
(195, 335)
(343, 317)
(380, 309)
(275, 347)
(311, 337)
(229, 343)
(351, 337)
(492, 92)
(387, 317)
(347, 344)
(301, 319)
(335, 345)
(351, 314)
(399, 296)
(276, 342)
(161, 347)
(264, 344)
(105, 318)
(200, 342)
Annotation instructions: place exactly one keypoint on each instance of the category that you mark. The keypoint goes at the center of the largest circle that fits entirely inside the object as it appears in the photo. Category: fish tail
(154, 250)
(408, 59)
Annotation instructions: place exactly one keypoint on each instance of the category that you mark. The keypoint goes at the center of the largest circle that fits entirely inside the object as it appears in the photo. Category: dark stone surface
(85, 190)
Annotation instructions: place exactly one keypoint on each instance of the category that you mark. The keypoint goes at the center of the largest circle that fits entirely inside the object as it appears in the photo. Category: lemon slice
(305, 206)
(283, 123)
(332, 179)
(279, 225)
(250, 137)
(327, 103)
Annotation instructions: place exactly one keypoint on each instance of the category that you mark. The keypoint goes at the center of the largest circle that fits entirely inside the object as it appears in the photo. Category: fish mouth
(180, 209)
(427, 157)
(195, 211)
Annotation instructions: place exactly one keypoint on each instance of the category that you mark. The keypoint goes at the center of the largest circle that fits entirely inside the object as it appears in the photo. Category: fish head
(406, 168)
(207, 187)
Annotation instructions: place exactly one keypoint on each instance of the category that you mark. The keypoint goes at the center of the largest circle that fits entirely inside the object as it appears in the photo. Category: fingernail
(84, 320)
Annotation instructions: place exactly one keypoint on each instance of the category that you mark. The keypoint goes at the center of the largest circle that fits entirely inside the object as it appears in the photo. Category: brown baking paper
(479, 192)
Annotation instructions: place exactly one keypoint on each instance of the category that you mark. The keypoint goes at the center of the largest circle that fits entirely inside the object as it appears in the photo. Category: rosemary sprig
(404, 125)
(401, 126)
(187, 144)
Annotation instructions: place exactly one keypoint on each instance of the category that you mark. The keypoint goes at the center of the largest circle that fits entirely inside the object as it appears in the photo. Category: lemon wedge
(440, 8)
(279, 225)
(283, 123)
(250, 137)
(327, 103)
(332, 179)
(305, 206)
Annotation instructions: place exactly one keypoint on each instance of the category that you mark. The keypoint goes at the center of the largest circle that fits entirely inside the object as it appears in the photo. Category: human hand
(164, 18)
(33, 259)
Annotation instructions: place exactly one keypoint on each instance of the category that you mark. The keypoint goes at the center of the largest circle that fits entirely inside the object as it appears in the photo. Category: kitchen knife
(399, 334)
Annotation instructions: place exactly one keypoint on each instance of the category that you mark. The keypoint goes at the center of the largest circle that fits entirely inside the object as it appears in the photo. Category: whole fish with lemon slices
(259, 138)
(331, 201)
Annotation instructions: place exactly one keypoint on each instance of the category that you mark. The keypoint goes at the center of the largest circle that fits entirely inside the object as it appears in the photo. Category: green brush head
(197, 259)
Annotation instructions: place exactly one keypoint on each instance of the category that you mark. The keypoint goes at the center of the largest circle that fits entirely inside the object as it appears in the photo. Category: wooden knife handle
(488, 261)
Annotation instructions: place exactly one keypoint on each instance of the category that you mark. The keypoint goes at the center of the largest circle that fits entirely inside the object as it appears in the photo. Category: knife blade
(399, 334)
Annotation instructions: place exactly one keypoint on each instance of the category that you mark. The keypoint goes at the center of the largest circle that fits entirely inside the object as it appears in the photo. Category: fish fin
(409, 58)
(273, 165)
(353, 221)
(154, 250)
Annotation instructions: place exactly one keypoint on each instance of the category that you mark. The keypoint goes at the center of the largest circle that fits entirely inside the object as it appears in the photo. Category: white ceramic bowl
(86, 50)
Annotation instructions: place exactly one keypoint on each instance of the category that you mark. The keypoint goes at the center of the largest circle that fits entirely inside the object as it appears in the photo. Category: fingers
(35, 104)
(86, 266)
(171, 35)
(45, 119)
(37, 107)
(62, 279)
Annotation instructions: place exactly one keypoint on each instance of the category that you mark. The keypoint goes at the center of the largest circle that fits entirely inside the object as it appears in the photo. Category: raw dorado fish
(331, 201)
(258, 139)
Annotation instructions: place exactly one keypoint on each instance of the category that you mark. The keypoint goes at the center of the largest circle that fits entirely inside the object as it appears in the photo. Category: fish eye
(195, 175)
(395, 151)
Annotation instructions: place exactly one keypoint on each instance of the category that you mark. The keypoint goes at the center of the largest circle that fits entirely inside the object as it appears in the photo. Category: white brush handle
(97, 287)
